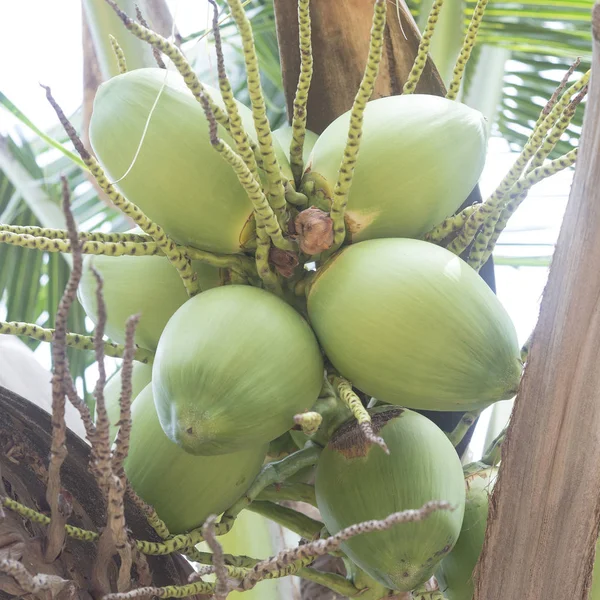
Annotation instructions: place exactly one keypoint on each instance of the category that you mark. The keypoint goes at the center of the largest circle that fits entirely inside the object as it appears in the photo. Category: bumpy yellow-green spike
(467, 48)
(556, 132)
(489, 210)
(84, 236)
(309, 421)
(172, 51)
(359, 412)
(264, 213)
(58, 245)
(173, 252)
(301, 97)
(169, 591)
(367, 85)
(483, 248)
(119, 54)
(36, 517)
(259, 114)
(423, 50)
(238, 134)
(74, 340)
(451, 225)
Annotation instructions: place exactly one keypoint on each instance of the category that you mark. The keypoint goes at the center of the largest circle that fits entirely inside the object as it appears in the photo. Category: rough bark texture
(545, 510)
(24, 448)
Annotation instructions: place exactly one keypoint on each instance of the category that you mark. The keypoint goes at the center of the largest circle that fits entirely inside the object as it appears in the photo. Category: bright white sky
(48, 51)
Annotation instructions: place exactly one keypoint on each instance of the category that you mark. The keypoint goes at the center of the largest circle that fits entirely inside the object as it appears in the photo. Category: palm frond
(544, 39)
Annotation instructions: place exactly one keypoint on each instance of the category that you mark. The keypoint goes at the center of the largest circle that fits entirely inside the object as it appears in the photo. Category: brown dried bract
(314, 228)
(284, 261)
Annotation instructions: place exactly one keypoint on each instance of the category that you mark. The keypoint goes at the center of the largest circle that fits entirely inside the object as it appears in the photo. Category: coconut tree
(468, 233)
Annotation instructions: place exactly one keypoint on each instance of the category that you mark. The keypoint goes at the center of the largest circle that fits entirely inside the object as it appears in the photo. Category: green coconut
(412, 324)
(232, 368)
(141, 376)
(420, 157)
(357, 482)
(148, 285)
(455, 572)
(177, 179)
(184, 489)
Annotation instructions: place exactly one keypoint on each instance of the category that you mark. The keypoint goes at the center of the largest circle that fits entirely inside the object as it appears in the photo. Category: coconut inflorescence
(308, 307)
(357, 482)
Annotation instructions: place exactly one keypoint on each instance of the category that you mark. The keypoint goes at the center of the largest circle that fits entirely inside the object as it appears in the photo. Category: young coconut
(455, 572)
(420, 157)
(183, 489)
(357, 481)
(177, 178)
(412, 324)
(141, 376)
(139, 284)
(232, 368)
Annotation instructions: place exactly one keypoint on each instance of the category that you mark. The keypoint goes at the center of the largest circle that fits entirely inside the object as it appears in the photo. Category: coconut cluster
(367, 303)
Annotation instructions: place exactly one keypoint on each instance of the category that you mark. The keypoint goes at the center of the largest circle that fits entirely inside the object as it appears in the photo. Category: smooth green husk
(148, 285)
(183, 489)
(355, 483)
(455, 572)
(420, 157)
(412, 324)
(232, 368)
(141, 376)
(178, 179)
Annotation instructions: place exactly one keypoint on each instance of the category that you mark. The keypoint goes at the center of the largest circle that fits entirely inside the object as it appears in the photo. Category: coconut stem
(421, 59)
(286, 491)
(101, 446)
(450, 226)
(557, 92)
(301, 98)
(291, 519)
(274, 472)
(119, 54)
(121, 448)
(171, 591)
(172, 51)
(495, 202)
(309, 421)
(264, 213)
(295, 198)
(155, 51)
(218, 561)
(324, 546)
(348, 163)
(58, 451)
(359, 412)
(493, 453)
(73, 340)
(170, 249)
(259, 114)
(466, 49)
(84, 236)
(57, 245)
(151, 515)
(557, 131)
(462, 427)
(492, 229)
(238, 134)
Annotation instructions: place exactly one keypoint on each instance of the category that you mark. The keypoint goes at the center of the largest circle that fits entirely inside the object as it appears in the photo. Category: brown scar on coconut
(314, 230)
